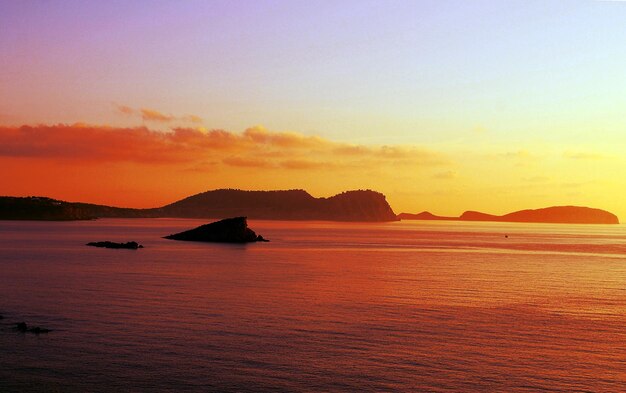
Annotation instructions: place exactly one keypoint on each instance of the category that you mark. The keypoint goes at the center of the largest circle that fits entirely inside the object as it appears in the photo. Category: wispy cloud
(259, 134)
(581, 155)
(518, 154)
(536, 179)
(305, 164)
(247, 162)
(446, 175)
(153, 115)
(193, 118)
(126, 110)
(256, 147)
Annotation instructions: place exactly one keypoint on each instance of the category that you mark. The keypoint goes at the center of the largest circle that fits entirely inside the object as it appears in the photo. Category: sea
(410, 306)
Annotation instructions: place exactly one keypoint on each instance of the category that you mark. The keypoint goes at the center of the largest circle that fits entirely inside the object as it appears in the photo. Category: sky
(443, 106)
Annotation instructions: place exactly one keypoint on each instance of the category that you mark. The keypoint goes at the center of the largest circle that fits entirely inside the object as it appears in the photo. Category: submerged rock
(107, 244)
(229, 230)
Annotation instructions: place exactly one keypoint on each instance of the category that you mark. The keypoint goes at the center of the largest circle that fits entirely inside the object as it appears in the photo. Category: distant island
(554, 215)
(360, 205)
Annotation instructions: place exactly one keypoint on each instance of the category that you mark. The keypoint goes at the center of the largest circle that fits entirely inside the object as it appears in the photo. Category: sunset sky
(443, 106)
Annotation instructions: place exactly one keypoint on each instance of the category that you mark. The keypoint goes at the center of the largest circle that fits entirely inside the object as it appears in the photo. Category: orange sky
(141, 167)
(146, 167)
(442, 106)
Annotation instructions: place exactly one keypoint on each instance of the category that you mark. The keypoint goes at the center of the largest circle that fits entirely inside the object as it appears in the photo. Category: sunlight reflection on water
(322, 307)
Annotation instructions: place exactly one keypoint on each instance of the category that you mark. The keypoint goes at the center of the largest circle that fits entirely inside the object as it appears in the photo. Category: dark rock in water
(22, 327)
(230, 230)
(129, 245)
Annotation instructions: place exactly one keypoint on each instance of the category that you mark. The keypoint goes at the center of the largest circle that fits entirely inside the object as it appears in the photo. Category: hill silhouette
(554, 214)
(43, 208)
(360, 205)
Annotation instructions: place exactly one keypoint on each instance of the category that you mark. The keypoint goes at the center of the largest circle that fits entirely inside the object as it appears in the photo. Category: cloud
(571, 184)
(259, 134)
(399, 154)
(305, 164)
(519, 154)
(296, 164)
(202, 166)
(536, 179)
(517, 158)
(445, 175)
(126, 110)
(579, 155)
(247, 162)
(193, 119)
(256, 147)
(479, 129)
(91, 143)
(152, 115)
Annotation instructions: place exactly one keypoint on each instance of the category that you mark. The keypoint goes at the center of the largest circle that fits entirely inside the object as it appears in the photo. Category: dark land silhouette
(43, 208)
(361, 205)
(554, 214)
(229, 230)
(108, 244)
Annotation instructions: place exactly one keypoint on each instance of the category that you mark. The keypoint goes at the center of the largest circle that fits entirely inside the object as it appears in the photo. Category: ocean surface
(324, 307)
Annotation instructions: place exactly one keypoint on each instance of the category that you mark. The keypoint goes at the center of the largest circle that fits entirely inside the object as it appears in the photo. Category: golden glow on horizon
(140, 167)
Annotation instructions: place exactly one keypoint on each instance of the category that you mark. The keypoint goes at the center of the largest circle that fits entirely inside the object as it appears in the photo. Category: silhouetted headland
(361, 205)
(554, 215)
(229, 230)
(107, 244)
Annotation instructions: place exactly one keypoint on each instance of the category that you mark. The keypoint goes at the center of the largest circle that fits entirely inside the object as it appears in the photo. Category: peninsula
(359, 205)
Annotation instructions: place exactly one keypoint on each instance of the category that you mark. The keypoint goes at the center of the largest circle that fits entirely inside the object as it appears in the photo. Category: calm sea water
(325, 307)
